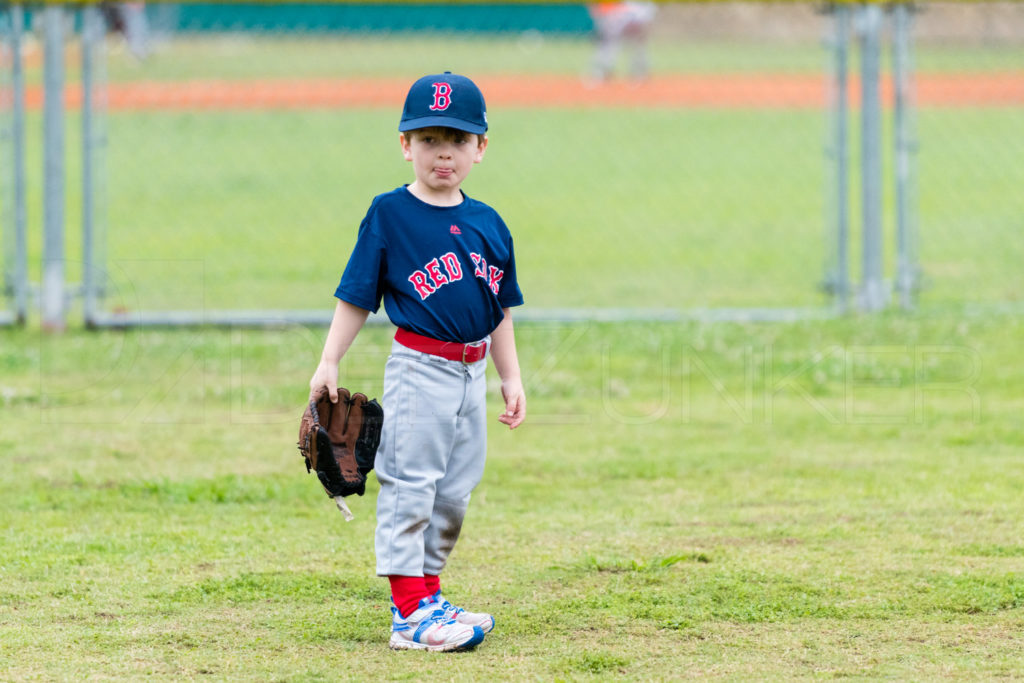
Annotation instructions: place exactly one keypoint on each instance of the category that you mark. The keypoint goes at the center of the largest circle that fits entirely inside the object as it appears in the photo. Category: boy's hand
(515, 403)
(326, 375)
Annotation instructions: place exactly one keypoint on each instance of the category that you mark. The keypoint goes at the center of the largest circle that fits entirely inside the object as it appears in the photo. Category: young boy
(444, 266)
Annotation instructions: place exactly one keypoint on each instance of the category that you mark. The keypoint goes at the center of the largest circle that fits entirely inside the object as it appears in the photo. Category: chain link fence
(231, 151)
(970, 123)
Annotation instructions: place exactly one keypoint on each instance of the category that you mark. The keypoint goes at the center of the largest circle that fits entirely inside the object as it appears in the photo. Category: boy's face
(442, 157)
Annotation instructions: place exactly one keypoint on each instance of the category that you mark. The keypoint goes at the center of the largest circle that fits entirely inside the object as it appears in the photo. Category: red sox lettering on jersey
(431, 277)
(489, 273)
(442, 96)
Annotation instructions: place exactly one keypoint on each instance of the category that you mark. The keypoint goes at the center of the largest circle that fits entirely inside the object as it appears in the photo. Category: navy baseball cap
(446, 100)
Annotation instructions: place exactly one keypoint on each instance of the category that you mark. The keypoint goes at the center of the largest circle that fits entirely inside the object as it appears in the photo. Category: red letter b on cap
(442, 96)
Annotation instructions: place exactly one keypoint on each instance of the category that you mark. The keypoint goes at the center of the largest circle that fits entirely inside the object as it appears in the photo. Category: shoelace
(449, 608)
(441, 616)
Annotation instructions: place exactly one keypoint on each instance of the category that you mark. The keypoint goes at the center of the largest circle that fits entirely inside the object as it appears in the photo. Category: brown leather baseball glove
(339, 441)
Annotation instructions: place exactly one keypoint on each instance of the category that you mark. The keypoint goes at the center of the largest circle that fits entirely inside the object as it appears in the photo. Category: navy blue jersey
(443, 271)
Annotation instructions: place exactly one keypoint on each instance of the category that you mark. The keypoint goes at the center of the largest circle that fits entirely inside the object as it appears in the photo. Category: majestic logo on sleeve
(442, 96)
(447, 269)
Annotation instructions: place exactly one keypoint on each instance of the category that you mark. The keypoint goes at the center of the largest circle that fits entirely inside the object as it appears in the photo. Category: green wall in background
(377, 17)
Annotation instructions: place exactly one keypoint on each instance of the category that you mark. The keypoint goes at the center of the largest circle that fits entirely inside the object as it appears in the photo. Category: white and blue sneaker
(483, 621)
(430, 628)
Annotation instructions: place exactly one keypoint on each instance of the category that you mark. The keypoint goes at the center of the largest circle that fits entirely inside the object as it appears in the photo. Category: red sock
(407, 591)
(433, 583)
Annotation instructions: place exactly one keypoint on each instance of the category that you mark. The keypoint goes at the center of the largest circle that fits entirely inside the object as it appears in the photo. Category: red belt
(467, 353)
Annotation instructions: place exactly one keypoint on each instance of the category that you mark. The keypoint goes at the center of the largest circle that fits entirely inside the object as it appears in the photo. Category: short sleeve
(362, 283)
(510, 295)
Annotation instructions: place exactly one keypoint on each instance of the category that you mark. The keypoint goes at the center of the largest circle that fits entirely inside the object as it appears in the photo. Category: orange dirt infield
(746, 91)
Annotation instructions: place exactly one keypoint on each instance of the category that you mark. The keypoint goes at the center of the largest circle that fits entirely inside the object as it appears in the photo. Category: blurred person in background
(616, 23)
(129, 19)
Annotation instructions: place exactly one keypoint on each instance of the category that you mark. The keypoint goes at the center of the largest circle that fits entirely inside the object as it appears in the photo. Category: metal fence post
(92, 34)
(837, 275)
(873, 296)
(15, 242)
(906, 234)
(21, 287)
(53, 296)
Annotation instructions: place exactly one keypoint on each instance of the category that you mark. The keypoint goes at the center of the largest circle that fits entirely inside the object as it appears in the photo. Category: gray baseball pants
(431, 457)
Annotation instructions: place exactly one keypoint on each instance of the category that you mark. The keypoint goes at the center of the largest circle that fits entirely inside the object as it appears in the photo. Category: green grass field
(283, 56)
(816, 500)
(824, 499)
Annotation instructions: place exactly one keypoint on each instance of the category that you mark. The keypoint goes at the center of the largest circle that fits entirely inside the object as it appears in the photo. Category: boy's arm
(345, 325)
(506, 362)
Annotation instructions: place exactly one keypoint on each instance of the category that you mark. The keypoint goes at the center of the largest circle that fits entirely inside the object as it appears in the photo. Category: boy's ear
(405, 142)
(481, 147)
